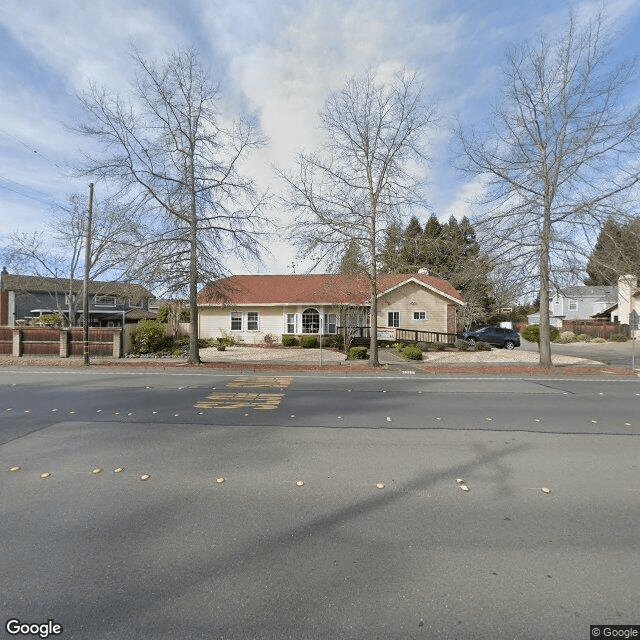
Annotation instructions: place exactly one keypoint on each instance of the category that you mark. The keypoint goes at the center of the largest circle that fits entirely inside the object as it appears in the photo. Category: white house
(627, 309)
(250, 307)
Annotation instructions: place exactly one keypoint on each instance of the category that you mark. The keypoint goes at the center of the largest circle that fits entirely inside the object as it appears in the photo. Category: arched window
(310, 321)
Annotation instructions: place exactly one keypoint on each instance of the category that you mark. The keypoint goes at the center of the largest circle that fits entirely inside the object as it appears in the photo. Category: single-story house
(250, 307)
(23, 298)
(576, 303)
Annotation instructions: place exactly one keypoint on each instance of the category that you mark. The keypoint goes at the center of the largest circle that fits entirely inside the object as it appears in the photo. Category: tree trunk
(545, 333)
(373, 344)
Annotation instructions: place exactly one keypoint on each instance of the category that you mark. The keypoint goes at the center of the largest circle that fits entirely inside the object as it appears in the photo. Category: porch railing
(401, 335)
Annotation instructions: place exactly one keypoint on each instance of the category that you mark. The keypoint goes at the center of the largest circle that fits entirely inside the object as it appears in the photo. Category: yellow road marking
(228, 400)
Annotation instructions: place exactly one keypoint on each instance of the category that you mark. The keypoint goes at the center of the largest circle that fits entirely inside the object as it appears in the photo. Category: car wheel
(509, 345)
(471, 342)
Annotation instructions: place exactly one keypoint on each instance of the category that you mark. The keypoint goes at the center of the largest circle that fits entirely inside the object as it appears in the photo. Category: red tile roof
(310, 289)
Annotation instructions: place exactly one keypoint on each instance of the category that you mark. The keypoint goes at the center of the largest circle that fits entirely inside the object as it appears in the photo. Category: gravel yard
(270, 354)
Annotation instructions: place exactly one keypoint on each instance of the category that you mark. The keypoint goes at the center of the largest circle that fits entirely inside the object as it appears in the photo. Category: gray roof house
(577, 303)
(23, 298)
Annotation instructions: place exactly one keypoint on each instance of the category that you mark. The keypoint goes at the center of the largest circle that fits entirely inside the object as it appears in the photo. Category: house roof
(604, 292)
(33, 284)
(313, 289)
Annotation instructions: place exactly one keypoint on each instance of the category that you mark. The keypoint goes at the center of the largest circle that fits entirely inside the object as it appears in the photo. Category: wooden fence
(63, 343)
(595, 327)
(361, 335)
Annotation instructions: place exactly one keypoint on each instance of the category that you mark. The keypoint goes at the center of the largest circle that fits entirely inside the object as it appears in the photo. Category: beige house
(251, 307)
(627, 311)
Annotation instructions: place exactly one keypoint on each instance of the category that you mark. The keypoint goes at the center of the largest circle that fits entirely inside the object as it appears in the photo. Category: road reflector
(97, 470)
(464, 487)
(46, 474)
(459, 480)
(545, 490)
(118, 470)
(300, 483)
(219, 480)
(14, 469)
(145, 476)
(380, 485)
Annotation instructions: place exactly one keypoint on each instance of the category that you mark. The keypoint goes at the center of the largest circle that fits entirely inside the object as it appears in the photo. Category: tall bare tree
(170, 144)
(559, 156)
(362, 179)
(56, 252)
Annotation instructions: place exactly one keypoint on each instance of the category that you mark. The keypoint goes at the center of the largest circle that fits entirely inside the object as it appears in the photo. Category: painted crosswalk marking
(229, 400)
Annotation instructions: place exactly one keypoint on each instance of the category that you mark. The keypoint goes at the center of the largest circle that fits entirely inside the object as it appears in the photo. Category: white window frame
(393, 319)
(309, 325)
(235, 315)
(104, 301)
(290, 327)
(257, 320)
(573, 305)
(419, 313)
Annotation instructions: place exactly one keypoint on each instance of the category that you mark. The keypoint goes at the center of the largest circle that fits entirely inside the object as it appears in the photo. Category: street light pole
(87, 268)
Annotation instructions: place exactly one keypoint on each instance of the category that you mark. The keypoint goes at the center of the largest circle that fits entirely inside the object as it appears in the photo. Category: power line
(27, 146)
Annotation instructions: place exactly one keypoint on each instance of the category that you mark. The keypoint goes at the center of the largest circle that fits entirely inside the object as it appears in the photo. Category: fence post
(17, 343)
(116, 343)
(64, 343)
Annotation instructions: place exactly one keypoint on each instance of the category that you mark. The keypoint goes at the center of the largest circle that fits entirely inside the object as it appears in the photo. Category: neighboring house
(250, 307)
(576, 303)
(627, 308)
(23, 298)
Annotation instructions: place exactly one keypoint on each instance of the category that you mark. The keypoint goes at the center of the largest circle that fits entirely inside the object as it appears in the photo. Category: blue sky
(277, 59)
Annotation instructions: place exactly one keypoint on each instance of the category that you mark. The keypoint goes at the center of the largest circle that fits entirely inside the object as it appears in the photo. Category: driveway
(613, 353)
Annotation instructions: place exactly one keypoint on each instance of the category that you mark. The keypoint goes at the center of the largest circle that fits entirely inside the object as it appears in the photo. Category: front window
(393, 318)
(331, 323)
(291, 323)
(310, 321)
(105, 301)
(236, 321)
(419, 315)
(573, 305)
(252, 321)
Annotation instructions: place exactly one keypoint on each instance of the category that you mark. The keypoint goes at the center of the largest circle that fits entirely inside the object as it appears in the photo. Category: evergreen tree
(616, 253)
(352, 262)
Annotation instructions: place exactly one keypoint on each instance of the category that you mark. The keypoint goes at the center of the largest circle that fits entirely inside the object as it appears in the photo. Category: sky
(275, 59)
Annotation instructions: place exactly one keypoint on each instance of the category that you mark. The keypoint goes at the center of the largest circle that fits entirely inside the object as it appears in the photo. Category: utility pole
(87, 268)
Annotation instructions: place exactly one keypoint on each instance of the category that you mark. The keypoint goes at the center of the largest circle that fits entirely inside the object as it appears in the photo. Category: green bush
(582, 337)
(567, 337)
(531, 333)
(618, 337)
(358, 353)
(423, 346)
(150, 336)
(463, 345)
(289, 341)
(203, 343)
(483, 346)
(48, 320)
(598, 340)
(309, 342)
(412, 353)
(226, 342)
(333, 342)
(185, 315)
(163, 314)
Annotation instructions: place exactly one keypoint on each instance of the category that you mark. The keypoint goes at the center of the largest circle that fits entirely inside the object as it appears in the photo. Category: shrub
(185, 315)
(423, 346)
(150, 336)
(358, 353)
(531, 333)
(221, 347)
(618, 337)
(582, 337)
(412, 353)
(598, 340)
(163, 314)
(289, 341)
(483, 346)
(463, 345)
(268, 338)
(309, 342)
(203, 343)
(48, 320)
(333, 342)
(226, 341)
(566, 337)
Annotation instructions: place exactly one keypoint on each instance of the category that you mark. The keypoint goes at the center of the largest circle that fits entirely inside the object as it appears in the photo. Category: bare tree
(56, 252)
(362, 179)
(170, 145)
(559, 156)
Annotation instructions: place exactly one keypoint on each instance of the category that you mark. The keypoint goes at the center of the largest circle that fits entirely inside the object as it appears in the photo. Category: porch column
(117, 342)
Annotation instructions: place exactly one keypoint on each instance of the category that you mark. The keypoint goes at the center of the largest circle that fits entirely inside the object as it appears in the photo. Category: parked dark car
(496, 336)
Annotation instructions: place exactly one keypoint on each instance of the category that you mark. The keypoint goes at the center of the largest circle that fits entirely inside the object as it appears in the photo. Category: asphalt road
(620, 354)
(222, 542)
